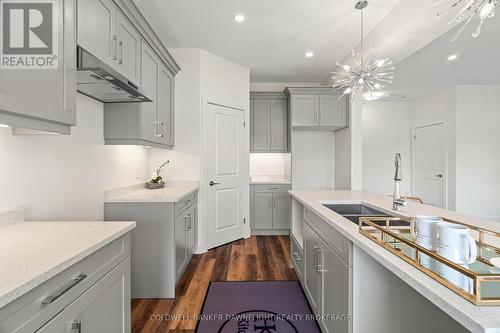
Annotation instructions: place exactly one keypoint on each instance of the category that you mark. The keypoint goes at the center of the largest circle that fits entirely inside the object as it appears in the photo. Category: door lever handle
(212, 183)
(439, 176)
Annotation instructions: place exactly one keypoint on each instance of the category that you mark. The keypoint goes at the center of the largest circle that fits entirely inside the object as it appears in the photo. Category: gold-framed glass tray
(478, 282)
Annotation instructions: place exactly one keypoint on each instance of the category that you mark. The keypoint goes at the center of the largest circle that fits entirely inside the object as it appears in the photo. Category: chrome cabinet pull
(162, 129)
(120, 52)
(315, 257)
(296, 256)
(74, 281)
(186, 223)
(319, 267)
(114, 47)
(76, 326)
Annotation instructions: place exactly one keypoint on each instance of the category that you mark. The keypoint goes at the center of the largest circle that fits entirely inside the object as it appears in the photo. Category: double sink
(353, 212)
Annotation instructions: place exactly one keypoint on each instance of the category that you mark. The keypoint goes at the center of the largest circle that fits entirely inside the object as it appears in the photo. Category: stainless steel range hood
(101, 82)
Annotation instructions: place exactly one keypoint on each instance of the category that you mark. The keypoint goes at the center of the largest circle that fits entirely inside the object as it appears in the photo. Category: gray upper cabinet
(305, 110)
(97, 29)
(128, 49)
(44, 99)
(279, 125)
(269, 122)
(165, 107)
(318, 108)
(105, 32)
(333, 112)
(149, 123)
(260, 125)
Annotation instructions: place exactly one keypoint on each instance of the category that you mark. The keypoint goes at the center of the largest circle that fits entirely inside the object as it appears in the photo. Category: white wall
(203, 76)
(441, 108)
(478, 151)
(348, 150)
(387, 130)
(313, 160)
(64, 177)
(270, 164)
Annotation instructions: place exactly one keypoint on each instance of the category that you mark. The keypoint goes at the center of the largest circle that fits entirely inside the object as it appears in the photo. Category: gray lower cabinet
(100, 309)
(44, 99)
(93, 294)
(184, 238)
(162, 242)
(326, 280)
(318, 108)
(269, 122)
(151, 123)
(270, 208)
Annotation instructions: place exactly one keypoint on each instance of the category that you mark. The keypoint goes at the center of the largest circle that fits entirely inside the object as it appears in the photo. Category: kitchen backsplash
(270, 164)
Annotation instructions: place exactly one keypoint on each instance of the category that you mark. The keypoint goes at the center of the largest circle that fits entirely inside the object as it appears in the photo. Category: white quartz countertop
(166, 194)
(33, 252)
(256, 180)
(474, 318)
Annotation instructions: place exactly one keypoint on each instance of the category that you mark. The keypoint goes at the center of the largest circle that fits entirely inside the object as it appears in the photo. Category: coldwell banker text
(28, 34)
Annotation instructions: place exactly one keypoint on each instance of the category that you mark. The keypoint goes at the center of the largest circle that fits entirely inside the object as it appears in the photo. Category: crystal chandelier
(367, 75)
(483, 9)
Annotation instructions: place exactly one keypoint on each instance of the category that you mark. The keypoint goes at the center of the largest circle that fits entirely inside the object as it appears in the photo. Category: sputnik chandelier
(483, 9)
(367, 75)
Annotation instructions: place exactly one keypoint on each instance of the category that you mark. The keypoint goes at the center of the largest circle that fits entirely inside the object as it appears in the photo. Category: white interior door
(429, 154)
(226, 148)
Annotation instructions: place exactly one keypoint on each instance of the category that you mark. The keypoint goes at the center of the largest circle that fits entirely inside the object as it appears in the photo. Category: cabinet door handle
(186, 223)
(296, 256)
(319, 267)
(65, 288)
(76, 326)
(120, 52)
(315, 257)
(162, 132)
(114, 47)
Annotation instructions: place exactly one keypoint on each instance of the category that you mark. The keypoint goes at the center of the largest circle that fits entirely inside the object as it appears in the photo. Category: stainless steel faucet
(397, 201)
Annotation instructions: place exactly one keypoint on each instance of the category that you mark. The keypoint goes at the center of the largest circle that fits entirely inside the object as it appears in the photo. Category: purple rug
(256, 307)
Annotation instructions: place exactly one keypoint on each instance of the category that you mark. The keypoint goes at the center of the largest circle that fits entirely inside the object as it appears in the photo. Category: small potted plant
(156, 179)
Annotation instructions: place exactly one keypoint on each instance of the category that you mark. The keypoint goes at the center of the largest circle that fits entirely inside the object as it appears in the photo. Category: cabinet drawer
(272, 188)
(30, 312)
(184, 203)
(296, 257)
(335, 240)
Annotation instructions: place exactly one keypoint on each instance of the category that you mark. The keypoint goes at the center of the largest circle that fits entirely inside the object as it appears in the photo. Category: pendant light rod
(361, 5)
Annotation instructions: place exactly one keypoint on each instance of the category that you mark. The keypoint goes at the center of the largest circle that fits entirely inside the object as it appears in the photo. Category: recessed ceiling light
(239, 18)
(309, 54)
(452, 57)
(3, 125)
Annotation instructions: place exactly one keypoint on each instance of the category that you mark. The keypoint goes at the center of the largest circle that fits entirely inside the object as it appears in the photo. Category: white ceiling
(428, 71)
(275, 36)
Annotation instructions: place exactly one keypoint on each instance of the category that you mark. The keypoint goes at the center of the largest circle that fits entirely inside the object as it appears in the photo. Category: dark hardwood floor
(256, 258)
